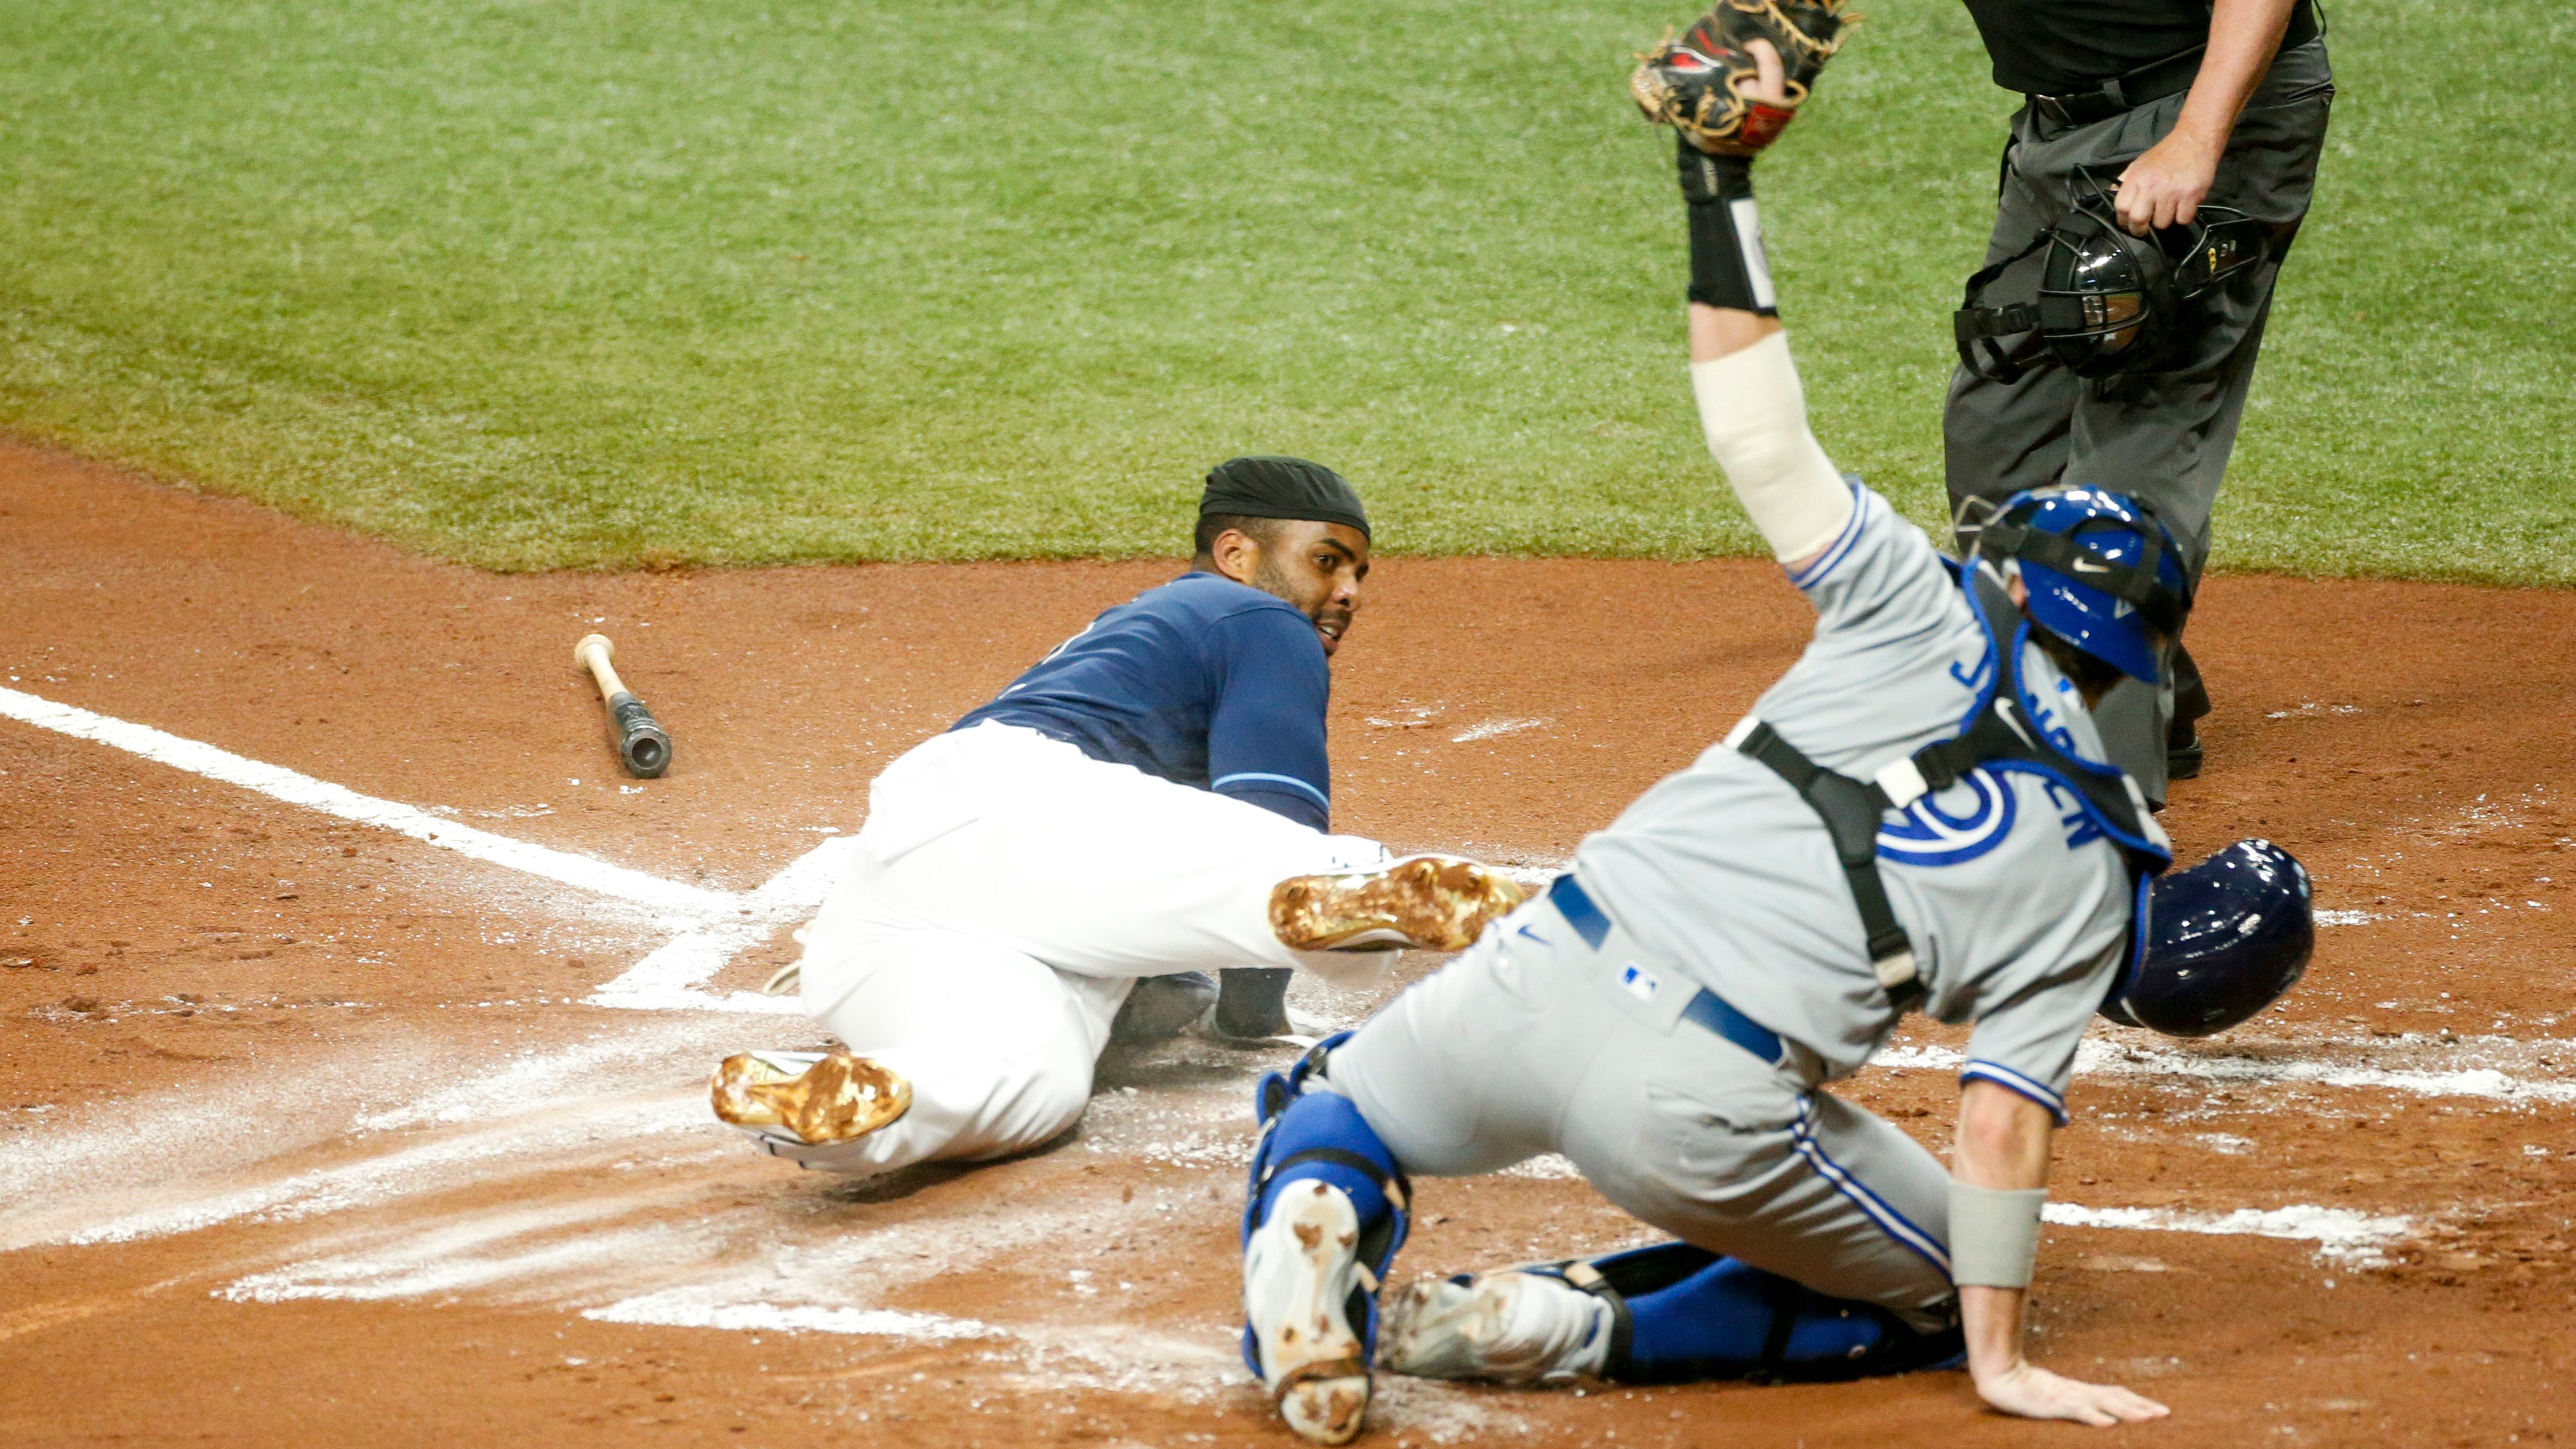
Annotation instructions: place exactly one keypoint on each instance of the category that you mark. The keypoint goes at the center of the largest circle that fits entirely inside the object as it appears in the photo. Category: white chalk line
(696, 1308)
(715, 926)
(2341, 1234)
(2112, 1059)
(672, 978)
(278, 783)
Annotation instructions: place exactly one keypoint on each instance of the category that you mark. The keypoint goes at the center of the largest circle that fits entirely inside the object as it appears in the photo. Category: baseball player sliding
(1917, 816)
(1152, 798)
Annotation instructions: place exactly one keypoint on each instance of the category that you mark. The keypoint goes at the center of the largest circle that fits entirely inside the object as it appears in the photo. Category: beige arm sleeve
(1755, 415)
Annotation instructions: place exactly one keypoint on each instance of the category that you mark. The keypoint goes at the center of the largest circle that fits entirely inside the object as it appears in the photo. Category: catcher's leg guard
(1690, 1314)
(1677, 1314)
(1326, 1210)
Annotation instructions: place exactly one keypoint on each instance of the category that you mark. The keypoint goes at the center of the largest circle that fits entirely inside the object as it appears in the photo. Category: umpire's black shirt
(2058, 47)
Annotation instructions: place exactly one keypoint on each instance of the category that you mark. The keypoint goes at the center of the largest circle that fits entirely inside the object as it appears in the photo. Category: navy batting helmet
(2224, 940)
(2103, 573)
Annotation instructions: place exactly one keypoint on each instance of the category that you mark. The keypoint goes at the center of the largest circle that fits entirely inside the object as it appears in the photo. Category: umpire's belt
(2150, 82)
(1707, 1009)
(2158, 79)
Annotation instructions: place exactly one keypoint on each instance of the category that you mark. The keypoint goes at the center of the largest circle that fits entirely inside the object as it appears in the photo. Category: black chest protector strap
(1853, 809)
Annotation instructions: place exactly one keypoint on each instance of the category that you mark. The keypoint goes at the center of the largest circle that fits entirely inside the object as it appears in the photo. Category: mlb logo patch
(1641, 983)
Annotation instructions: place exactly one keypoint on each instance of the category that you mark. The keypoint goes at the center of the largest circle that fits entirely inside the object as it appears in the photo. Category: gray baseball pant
(1531, 1043)
(2162, 437)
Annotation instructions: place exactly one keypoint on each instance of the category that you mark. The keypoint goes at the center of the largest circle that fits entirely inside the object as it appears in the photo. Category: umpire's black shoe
(2182, 751)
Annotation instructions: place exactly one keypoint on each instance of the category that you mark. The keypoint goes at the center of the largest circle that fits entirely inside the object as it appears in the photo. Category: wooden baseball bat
(640, 741)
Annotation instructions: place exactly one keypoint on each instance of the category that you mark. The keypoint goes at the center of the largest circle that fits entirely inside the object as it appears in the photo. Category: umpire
(2186, 102)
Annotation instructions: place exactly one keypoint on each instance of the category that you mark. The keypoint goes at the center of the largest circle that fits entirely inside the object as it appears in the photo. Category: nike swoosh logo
(1535, 936)
(2088, 566)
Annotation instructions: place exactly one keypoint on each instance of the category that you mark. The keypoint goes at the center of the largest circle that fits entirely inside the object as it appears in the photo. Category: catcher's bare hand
(2035, 1393)
(1733, 81)
(1770, 83)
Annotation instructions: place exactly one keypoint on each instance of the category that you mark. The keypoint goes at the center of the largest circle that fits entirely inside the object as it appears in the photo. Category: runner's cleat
(1431, 902)
(1301, 1271)
(1507, 1328)
(817, 1097)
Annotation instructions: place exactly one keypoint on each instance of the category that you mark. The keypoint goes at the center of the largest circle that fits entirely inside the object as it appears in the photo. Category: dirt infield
(378, 1114)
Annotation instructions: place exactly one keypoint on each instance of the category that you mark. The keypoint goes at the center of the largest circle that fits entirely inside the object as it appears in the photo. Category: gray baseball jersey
(2017, 905)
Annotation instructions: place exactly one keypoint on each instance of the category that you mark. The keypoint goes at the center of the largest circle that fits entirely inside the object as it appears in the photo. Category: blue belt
(1707, 1009)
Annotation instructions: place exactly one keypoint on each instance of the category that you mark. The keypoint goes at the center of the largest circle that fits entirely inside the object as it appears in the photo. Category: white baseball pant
(1007, 893)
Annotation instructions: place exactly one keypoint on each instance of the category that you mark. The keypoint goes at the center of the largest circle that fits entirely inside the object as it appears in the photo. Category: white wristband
(1754, 414)
(1994, 1235)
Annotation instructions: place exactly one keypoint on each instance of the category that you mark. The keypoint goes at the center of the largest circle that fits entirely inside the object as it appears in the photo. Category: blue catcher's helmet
(2224, 940)
(2103, 573)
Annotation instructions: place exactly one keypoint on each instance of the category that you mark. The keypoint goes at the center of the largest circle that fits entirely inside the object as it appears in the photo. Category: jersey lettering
(2080, 829)
(1973, 674)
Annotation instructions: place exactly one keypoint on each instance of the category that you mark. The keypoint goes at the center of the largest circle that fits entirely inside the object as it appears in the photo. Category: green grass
(537, 285)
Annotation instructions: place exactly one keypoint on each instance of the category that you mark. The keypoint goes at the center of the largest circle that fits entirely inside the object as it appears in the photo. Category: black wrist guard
(1727, 265)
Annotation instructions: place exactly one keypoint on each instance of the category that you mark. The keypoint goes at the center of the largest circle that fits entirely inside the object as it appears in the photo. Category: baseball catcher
(1151, 799)
(1916, 817)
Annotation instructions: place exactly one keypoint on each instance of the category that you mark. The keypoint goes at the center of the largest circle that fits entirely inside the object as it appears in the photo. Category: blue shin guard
(1310, 1133)
(1683, 1314)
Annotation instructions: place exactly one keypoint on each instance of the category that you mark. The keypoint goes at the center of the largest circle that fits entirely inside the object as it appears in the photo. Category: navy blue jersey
(1204, 682)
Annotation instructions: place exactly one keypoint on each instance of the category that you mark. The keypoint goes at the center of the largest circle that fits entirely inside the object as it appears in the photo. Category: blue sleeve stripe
(1840, 548)
(1257, 777)
(2012, 1081)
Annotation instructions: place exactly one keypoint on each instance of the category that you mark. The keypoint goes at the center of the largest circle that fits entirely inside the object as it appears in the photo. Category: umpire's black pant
(2162, 437)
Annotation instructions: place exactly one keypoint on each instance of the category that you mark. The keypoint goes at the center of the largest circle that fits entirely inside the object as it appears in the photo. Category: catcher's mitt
(1697, 84)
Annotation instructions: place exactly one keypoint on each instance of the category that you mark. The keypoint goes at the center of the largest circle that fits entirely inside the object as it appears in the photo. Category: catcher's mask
(2104, 302)
(2225, 939)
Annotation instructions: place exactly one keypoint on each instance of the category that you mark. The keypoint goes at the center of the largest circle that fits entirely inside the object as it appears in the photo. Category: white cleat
(1299, 1272)
(1507, 1328)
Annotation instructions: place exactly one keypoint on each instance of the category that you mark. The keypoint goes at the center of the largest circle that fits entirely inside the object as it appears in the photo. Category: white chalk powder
(689, 1308)
(2341, 1235)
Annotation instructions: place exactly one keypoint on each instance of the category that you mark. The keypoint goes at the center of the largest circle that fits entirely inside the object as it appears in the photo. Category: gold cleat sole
(1430, 902)
(836, 1098)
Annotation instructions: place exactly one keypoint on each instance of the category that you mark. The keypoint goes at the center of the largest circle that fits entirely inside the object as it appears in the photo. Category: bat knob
(581, 651)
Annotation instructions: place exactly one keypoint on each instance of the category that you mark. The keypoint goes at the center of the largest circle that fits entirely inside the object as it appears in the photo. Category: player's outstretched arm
(1752, 407)
(1999, 1179)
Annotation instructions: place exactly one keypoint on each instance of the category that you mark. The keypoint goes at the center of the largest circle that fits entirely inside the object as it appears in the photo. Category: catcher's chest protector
(2000, 738)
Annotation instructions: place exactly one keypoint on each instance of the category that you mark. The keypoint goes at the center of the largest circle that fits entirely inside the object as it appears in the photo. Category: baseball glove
(1697, 84)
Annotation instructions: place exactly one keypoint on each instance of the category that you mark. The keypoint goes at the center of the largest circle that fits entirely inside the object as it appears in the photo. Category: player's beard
(1271, 577)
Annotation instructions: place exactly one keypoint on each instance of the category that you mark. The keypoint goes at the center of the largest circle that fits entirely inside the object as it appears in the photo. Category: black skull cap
(1282, 488)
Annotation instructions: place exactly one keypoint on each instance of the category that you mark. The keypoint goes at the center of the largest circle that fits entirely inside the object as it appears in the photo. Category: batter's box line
(713, 926)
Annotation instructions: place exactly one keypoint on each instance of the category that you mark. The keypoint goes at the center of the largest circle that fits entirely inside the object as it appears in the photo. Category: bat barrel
(640, 740)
